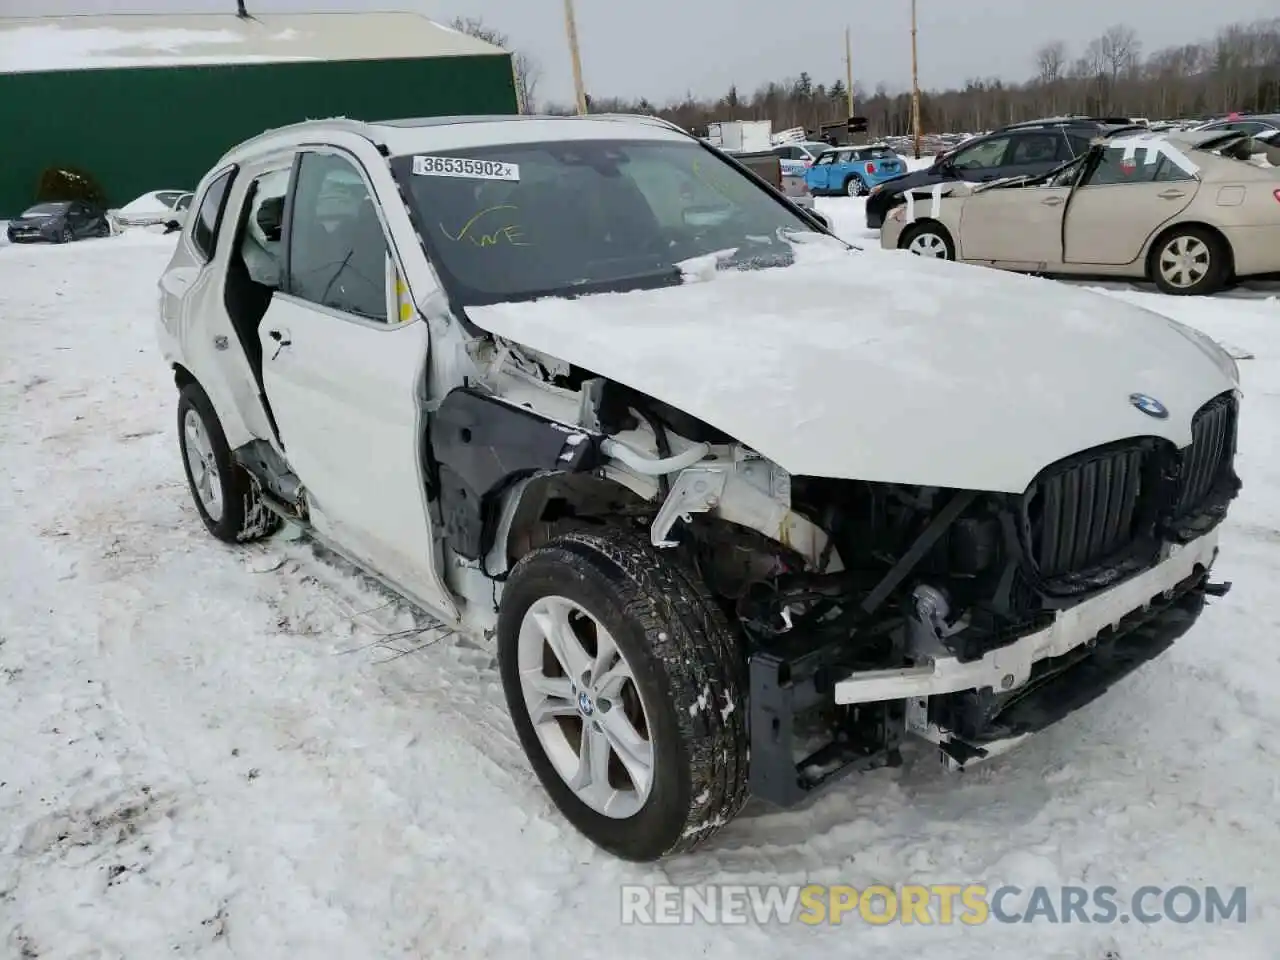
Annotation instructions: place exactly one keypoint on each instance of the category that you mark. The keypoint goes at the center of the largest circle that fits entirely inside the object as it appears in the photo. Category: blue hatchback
(853, 170)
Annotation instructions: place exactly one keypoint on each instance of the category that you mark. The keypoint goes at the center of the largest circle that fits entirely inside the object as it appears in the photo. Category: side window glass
(826, 159)
(204, 233)
(337, 250)
(1169, 172)
(261, 238)
(982, 156)
(1115, 168)
(1079, 145)
(1033, 148)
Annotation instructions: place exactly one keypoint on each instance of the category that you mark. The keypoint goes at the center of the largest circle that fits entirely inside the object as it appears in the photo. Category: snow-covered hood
(882, 366)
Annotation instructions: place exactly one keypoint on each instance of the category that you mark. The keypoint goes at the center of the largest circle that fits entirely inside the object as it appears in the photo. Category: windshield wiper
(648, 280)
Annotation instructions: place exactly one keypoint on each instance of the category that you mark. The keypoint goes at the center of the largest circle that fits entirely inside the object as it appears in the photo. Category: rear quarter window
(208, 221)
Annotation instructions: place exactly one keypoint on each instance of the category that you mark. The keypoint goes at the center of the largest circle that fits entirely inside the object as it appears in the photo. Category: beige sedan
(1190, 211)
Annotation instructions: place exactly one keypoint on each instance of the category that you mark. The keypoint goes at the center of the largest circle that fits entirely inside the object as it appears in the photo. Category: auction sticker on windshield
(460, 167)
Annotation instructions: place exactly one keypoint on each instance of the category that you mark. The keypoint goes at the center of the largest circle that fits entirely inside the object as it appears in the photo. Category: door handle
(1052, 201)
(281, 337)
(1170, 194)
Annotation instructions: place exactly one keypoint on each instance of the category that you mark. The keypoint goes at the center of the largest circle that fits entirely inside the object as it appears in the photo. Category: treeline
(1236, 70)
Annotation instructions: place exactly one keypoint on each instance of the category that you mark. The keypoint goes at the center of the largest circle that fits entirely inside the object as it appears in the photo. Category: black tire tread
(932, 226)
(245, 517)
(1219, 272)
(700, 657)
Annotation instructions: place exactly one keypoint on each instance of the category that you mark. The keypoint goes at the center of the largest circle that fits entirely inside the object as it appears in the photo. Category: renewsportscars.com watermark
(937, 904)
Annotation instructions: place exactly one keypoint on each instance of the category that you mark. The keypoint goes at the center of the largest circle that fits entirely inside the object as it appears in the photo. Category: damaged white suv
(742, 506)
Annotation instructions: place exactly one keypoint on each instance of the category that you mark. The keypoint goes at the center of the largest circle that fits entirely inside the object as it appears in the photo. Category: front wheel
(854, 187)
(928, 240)
(1189, 261)
(226, 496)
(626, 689)
(66, 236)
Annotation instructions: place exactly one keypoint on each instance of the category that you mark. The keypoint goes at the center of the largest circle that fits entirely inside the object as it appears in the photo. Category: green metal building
(149, 102)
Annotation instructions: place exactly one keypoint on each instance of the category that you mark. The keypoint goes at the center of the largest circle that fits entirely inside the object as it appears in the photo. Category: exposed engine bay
(828, 579)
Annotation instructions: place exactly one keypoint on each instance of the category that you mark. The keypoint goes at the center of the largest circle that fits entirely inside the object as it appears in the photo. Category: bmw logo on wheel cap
(1149, 405)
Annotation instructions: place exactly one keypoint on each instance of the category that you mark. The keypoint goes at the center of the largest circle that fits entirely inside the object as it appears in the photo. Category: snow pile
(212, 752)
(147, 205)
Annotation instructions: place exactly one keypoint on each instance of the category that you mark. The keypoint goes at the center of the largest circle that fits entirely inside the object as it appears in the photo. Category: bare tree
(527, 70)
(1051, 61)
(1120, 49)
(1237, 69)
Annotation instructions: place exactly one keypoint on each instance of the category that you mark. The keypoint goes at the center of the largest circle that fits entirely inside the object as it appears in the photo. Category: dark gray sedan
(59, 222)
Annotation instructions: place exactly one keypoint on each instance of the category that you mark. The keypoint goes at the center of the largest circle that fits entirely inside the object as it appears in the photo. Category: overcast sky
(661, 48)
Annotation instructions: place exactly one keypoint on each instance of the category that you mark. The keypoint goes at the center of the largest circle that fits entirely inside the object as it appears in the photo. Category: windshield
(46, 209)
(526, 220)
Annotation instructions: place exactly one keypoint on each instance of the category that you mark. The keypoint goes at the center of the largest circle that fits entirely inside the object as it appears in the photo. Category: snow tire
(689, 668)
(244, 517)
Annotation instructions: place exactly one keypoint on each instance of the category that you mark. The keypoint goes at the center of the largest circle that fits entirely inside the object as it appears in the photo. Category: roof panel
(150, 40)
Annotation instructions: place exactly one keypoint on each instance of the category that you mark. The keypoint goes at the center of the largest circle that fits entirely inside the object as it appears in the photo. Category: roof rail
(1067, 120)
(358, 127)
(642, 117)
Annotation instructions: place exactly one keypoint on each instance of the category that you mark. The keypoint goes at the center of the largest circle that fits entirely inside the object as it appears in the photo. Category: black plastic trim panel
(480, 445)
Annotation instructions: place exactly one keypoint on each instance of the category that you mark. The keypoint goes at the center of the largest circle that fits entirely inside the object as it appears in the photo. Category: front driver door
(1127, 197)
(344, 375)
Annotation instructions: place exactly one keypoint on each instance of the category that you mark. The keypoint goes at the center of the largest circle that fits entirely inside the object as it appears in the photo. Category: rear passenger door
(196, 309)
(344, 367)
(1123, 200)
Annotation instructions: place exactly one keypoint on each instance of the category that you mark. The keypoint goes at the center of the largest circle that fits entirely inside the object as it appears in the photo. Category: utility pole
(915, 85)
(571, 30)
(848, 69)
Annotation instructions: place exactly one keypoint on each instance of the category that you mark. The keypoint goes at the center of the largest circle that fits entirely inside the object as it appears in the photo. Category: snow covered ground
(219, 752)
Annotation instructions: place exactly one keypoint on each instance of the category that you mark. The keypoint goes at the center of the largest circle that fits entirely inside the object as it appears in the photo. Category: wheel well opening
(1224, 246)
(554, 504)
(927, 222)
(182, 376)
(911, 230)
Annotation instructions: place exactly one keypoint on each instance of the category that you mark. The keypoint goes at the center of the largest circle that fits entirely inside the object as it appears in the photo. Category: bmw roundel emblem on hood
(1149, 405)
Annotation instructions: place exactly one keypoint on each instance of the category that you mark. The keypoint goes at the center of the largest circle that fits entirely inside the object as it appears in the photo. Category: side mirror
(172, 226)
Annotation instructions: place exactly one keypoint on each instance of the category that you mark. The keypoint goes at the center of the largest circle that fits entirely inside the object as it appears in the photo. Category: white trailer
(740, 136)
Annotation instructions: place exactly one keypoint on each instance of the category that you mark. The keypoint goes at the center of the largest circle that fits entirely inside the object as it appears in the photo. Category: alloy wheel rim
(585, 707)
(204, 470)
